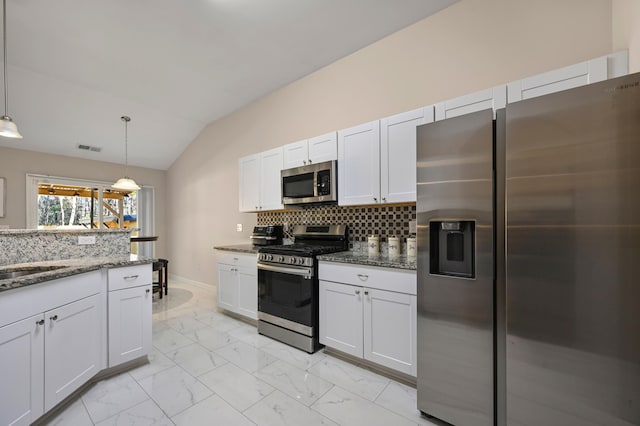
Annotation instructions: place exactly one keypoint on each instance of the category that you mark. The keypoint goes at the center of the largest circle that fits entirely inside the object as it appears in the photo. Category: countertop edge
(363, 259)
(69, 268)
(238, 248)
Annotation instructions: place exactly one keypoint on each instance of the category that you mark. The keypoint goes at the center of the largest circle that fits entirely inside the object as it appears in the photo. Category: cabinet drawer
(237, 259)
(398, 280)
(34, 299)
(129, 276)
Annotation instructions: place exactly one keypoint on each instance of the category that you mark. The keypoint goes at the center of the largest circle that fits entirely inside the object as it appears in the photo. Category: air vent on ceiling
(89, 148)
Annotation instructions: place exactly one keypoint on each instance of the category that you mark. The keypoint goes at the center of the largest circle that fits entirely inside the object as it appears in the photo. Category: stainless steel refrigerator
(529, 261)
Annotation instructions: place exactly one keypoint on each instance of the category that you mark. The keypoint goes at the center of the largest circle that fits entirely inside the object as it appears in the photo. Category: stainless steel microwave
(311, 184)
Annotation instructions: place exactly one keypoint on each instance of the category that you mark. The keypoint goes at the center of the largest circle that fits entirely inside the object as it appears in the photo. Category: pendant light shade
(125, 183)
(8, 128)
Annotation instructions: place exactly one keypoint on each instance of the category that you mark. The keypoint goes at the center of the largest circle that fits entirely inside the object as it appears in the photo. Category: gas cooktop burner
(310, 241)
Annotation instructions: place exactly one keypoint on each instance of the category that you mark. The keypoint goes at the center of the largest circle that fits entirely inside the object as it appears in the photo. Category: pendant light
(8, 128)
(125, 183)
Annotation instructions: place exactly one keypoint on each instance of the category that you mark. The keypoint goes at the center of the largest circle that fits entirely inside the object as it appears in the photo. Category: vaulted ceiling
(173, 66)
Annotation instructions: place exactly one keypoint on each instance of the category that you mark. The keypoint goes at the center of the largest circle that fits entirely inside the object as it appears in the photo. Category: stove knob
(292, 260)
(281, 259)
(269, 257)
(301, 261)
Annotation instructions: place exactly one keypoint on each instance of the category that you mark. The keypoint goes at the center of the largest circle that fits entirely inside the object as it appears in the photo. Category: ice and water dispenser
(452, 250)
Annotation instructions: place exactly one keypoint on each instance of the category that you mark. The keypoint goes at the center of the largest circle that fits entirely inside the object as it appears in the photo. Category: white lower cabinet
(53, 336)
(56, 349)
(22, 371)
(341, 317)
(72, 342)
(227, 287)
(129, 324)
(238, 283)
(390, 329)
(369, 322)
(130, 299)
(248, 291)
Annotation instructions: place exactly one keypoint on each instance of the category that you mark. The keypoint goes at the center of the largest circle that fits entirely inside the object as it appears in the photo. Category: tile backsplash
(382, 220)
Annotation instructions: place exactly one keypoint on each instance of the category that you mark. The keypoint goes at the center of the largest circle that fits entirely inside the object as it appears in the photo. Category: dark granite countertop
(239, 248)
(65, 268)
(362, 258)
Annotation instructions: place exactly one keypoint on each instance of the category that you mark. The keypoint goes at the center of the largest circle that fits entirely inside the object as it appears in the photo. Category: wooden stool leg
(160, 282)
(166, 278)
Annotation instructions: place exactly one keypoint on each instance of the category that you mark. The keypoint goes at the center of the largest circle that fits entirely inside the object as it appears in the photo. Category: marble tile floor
(210, 369)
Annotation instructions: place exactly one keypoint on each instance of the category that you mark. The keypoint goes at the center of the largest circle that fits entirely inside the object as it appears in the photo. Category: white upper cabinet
(377, 160)
(249, 183)
(270, 186)
(310, 151)
(259, 177)
(323, 148)
(494, 98)
(599, 69)
(359, 164)
(398, 154)
(296, 154)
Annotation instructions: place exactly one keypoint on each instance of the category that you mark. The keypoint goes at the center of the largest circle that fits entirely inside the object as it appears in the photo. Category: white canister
(412, 247)
(394, 246)
(373, 245)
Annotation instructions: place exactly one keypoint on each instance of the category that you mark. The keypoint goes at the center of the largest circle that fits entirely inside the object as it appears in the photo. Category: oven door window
(286, 296)
(298, 186)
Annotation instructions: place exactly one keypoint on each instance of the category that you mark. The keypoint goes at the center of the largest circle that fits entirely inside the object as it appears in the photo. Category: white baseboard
(193, 282)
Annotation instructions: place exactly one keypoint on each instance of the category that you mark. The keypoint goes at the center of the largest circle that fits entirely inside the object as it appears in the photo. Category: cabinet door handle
(357, 291)
(147, 291)
(256, 207)
(366, 292)
(53, 318)
(40, 322)
(304, 162)
(384, 199)
(309, 161)
(375, 199)
(131, 277)
(363, 277)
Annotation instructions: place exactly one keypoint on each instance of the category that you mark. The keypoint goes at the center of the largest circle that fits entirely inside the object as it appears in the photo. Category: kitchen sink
(27, 271)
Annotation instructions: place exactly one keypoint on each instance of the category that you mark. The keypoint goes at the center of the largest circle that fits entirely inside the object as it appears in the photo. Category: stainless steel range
(288, 284)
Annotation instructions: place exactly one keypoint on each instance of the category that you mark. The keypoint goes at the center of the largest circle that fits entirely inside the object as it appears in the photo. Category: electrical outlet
(86, 239)
(412, 226)
(239, 227)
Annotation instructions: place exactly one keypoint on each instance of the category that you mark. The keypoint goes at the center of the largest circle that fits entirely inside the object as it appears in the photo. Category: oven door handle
(305, 272)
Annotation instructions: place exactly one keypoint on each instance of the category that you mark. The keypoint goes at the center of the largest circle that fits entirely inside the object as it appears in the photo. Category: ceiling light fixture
(125, 183)
(8, 128)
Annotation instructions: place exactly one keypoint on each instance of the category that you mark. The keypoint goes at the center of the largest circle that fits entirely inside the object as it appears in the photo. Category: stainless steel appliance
(267, 235)
(456, 269)
(311, 184)
(288, 284)
(543, 329)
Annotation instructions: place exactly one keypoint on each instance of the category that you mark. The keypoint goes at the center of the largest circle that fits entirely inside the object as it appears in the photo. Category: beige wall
(626, 30)
(16, 163)
(474, 44)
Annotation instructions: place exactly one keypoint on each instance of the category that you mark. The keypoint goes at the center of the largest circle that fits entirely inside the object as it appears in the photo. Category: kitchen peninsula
(75, 305)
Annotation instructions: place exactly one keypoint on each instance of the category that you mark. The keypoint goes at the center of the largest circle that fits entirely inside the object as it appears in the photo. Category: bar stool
(162, 267)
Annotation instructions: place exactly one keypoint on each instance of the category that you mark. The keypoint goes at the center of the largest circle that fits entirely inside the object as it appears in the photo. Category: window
(67, 203)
